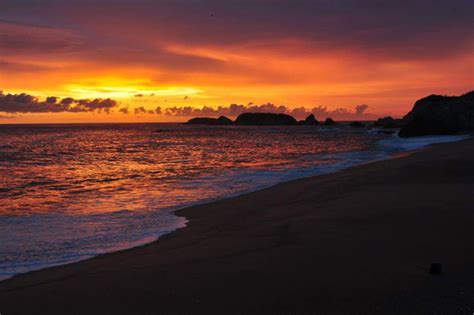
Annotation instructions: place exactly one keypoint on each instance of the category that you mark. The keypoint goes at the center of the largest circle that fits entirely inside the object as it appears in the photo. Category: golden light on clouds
(115, 87)
(177, 55)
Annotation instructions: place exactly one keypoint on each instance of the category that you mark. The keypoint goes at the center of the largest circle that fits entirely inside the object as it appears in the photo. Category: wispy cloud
(16, 38)
(25, 103)
(360, 111)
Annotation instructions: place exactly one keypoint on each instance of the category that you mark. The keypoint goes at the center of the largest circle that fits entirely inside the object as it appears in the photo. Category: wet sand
(359, 241)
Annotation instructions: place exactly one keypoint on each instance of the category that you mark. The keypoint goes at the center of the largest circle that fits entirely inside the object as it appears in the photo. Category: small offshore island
(432, 115)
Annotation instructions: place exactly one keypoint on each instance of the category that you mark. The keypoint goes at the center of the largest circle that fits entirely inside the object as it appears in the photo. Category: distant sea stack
(310, 120)
(265, 119)
(440, 115)
(388, 122)
(210, 121)
(329, 122)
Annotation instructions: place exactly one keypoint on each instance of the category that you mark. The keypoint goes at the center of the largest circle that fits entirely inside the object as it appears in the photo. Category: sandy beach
(359, 241)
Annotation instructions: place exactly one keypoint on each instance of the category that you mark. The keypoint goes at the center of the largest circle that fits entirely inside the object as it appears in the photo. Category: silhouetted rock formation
(210, 121)
(356, 124)
(388, 122)
(310, 120)
(329, 122)
(265, 119)
(222, 120)
(440, 115)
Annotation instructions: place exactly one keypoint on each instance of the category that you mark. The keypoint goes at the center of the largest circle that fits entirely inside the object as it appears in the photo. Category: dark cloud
(97, 104)
(399, 29)
(67, 101)
(360, 109)
(231, 110)
(20, 67)
(234, 110)
(139, 110)
(51, 99)
(25, 103)
(17, 38)
(142, 110)
(42, 41)
(144, 95)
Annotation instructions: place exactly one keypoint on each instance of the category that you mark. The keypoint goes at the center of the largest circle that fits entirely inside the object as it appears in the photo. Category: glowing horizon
(311, 55)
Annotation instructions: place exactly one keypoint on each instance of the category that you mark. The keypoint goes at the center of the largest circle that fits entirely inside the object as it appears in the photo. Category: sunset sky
(126, 61)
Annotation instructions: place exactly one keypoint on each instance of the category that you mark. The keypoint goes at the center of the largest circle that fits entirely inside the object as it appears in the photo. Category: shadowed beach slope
(359, 241)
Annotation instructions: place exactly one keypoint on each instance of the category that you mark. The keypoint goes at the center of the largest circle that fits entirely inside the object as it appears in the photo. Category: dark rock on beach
(388, 122)
(357, 124)
(265, 119)
(440, 115)
(210, 121)
(329, 122)
(310, 120)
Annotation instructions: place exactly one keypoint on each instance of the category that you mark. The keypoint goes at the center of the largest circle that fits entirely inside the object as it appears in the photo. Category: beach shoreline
(232, 250)
(418, 144)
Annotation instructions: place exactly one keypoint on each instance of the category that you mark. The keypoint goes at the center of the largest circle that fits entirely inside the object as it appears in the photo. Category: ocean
(70, 192)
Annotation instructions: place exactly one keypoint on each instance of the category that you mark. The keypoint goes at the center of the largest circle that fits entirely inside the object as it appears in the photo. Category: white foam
(414, 143)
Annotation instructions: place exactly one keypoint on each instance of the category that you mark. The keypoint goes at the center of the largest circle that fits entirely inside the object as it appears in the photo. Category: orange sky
(215, 54)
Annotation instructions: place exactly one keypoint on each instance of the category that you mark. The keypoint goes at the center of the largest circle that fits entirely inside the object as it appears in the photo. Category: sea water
(70, 192)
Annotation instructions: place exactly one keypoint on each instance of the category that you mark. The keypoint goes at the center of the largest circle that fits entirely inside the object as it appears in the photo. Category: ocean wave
(396, 142)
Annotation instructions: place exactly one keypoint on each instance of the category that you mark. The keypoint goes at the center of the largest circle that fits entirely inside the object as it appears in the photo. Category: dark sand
(359, 241)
